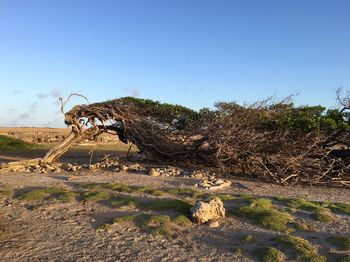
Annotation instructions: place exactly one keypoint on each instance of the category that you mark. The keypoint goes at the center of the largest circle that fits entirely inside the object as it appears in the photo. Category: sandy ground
(55, 231)
(67, 231)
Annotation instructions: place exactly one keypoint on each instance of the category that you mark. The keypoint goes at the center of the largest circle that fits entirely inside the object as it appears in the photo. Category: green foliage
(223, 197)
(304, 250)
(47, 194)
(119, 187)
(9, 143)
(128, 218)
(269, 254)
(175, 115)
(320, 213)
(156, 224)
(303, 204)
(185, 192)
(181, 220)
(285, 116)
(342, 243)
(149, 190)
(323, 215)
(340, 207)
(262, 212)
(167, 204)
(343, 259)
(163, 230)
(96, 196)
(123, 202)
(266, 115)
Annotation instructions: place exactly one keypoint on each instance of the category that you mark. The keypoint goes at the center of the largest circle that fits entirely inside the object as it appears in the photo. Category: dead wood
(229, 139)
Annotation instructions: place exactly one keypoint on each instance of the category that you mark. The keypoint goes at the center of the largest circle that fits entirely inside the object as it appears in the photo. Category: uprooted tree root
(228, 138)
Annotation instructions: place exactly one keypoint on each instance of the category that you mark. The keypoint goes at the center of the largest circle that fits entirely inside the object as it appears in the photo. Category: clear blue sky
(190, 52)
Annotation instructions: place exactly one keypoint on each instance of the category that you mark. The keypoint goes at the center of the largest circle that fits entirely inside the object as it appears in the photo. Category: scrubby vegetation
(47, 194)
(10, 143)
(156, 224)
(263, 213)
(181, 220)
(269, 254)
(320, 212)
(343, 259)
(269, 140)
(342, 243)
(340, 207)
(167, 204)
(304, 250)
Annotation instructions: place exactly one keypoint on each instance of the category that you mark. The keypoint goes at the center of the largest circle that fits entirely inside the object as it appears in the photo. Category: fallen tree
(268, 141)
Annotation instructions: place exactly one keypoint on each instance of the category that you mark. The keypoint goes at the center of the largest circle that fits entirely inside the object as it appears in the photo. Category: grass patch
(301, 204)
(128, 218)
(96, 196)
(340, 207)
(104, 226)
(223, 197)
(269, 254)
(47, 194)
(304, 250)
(343, 243)
(119, 187)
(263, 213)
(145, 220)
(154, 224)
(167, 204)
(320, 213)
(184, 192)
(10, 143)
(124, 202)
(323, 215)
(157, 225)
(303, 227)
(181, 220)
(163, 230)
(343, 259)
(148, 190)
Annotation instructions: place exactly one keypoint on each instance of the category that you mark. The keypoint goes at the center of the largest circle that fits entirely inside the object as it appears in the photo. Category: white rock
(214, 224)
(219, 182)
(203, 212)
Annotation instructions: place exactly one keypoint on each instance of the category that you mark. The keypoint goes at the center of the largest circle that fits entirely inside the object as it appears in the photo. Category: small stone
(214, 224)
(123, 168)
(153, 172)
(219, 182)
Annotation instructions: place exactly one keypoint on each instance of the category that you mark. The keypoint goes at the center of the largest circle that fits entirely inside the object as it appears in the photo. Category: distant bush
(285, 117)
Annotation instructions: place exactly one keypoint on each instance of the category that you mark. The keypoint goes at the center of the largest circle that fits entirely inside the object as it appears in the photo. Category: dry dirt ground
(54, 230)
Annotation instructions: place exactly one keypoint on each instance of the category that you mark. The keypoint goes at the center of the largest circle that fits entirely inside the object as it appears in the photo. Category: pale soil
(67, 231)
(47, 135)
